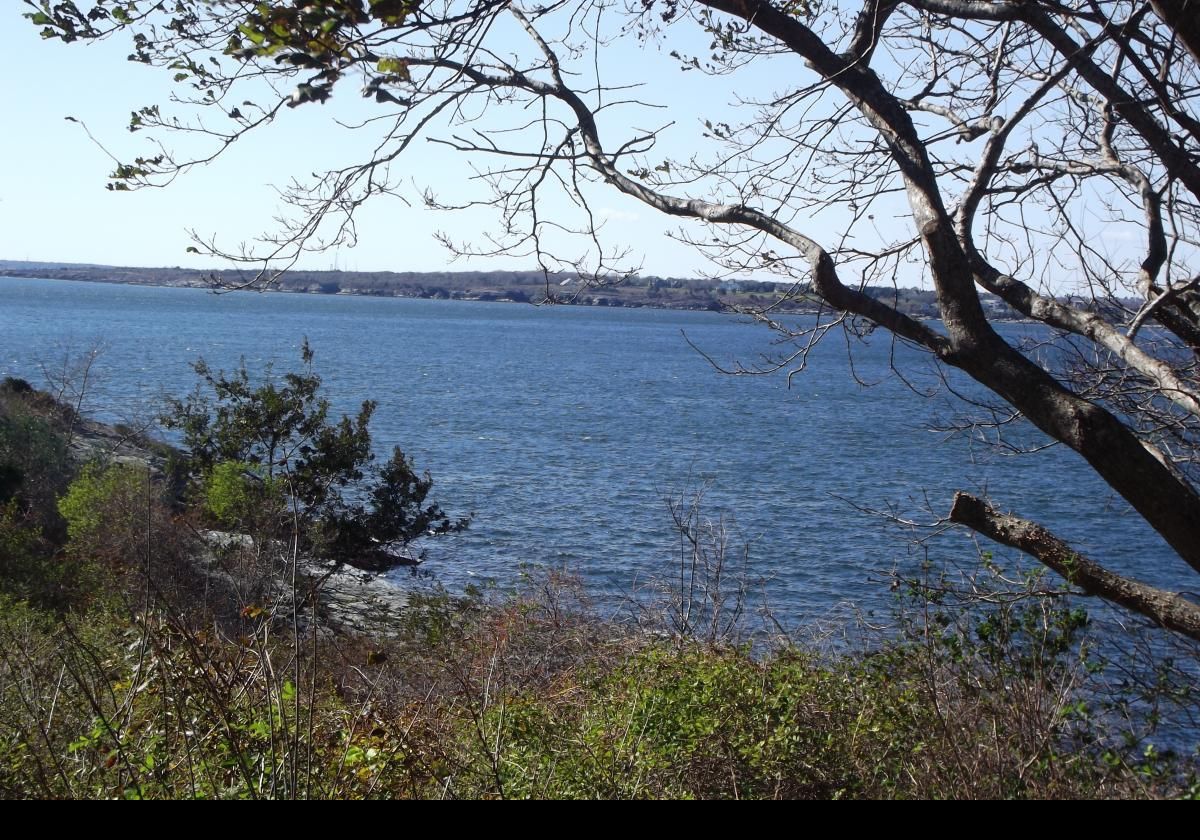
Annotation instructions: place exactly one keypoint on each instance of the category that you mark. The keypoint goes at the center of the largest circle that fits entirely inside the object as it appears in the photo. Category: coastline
(528, 287)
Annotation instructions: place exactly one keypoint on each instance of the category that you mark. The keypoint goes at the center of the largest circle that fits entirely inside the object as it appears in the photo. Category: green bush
(237, 494)
(105, 509)
(700, 723)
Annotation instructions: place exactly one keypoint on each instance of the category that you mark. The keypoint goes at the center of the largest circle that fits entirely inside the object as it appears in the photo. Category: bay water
(564, 430)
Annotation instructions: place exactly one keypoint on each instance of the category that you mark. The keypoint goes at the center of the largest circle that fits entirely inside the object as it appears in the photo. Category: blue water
(564, 428)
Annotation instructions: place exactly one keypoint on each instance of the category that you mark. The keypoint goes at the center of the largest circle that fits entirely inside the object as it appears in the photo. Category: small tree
(268, 459)
(397, 514)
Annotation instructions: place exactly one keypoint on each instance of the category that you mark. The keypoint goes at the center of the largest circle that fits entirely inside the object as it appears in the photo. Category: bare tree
(70, 375)
(1045, 152)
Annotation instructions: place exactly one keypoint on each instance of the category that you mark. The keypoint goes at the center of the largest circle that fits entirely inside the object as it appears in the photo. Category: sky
(54, 205)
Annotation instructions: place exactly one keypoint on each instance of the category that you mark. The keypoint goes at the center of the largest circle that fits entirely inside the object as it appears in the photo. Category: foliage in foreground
(531, 695)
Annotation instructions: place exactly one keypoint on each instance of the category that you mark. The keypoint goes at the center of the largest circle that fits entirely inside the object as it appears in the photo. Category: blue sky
(54, 207)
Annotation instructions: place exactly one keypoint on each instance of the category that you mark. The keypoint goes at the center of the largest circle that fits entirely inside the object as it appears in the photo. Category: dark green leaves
(277, 435)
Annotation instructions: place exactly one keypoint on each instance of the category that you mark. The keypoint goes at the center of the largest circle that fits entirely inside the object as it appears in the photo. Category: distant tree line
(516, 286)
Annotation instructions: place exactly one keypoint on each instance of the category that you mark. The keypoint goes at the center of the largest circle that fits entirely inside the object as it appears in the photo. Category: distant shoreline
(530, 287)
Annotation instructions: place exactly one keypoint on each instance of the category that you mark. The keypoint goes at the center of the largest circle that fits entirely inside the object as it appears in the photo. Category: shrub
(237, 494)
(527, 696)
(103, 509)
(274, 445)
(31, 568)
(35, 463)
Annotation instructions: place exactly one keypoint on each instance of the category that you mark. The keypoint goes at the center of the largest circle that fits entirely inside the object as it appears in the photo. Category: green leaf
(253, 34)
(394, 67)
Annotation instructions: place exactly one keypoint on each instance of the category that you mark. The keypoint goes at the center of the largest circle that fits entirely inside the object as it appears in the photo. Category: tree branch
(1167, 609)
